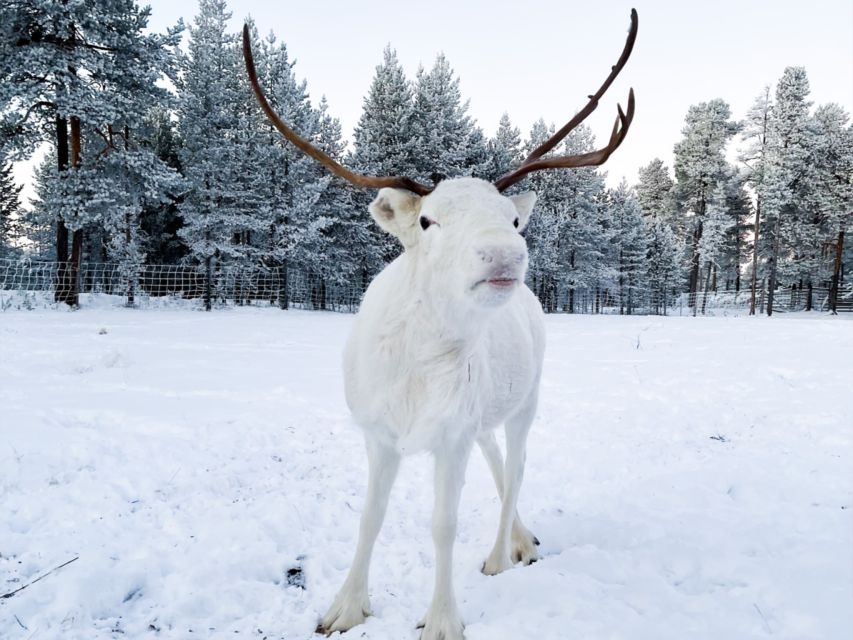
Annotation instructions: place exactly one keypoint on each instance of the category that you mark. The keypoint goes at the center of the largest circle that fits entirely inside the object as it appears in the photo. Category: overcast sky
(541, 58)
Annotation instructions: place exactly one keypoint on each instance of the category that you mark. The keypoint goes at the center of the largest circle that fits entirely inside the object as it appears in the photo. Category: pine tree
(585, 230)
(737, 246)
(130, 178)
(656, 192)
(291, 190)
(329, 244)
(208, 124)
(504, 150)
(447, 140)
(712, 245)
(568, 236)
(52, 50)
(39, 222)
(656, 195)
(663, 263)
(384, 144)
(161, 222)
(628, 245)
(699, 166)
(789, 168)
(10, 209)
(756, 133)
(832, 186)
(543, 230)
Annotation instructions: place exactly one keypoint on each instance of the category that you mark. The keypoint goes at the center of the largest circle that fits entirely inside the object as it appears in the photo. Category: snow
(688, 478)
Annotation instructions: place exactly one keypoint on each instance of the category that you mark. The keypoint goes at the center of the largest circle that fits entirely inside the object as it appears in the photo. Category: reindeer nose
(502, 255)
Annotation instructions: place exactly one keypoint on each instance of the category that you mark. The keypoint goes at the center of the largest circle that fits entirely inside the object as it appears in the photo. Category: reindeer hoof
(344, 614)
(524, 548)
(493, 566)
(446, 626)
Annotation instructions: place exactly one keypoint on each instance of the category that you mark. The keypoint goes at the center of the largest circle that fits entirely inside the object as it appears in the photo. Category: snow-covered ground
(688, 478)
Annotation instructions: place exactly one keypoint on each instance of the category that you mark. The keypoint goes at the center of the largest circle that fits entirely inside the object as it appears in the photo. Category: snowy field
(688, 478)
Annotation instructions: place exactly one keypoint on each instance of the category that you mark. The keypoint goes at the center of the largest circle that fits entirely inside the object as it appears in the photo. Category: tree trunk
(755, 255)
(737, 261)
(773, 260)
(77, 236)
(208, 282)
(630, 293)
(836, 273)
(283, 297)
(61, 292)
(707, 282)
(694, 260)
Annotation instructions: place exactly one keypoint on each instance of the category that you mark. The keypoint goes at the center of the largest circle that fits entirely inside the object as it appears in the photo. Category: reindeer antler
(357, 179)
(535, 162)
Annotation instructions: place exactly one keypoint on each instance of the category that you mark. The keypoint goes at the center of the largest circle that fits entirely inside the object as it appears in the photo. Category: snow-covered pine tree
(754, 157)
(665, 251)
(664, 263)
(208, 95)
(384, 144)
(10, 209)
(287, 184)
(329, 245)
(712, 245)
(568, 236)
(700, 165)
(447, 140)
(739, 208)
(656, 192)
(584, 228)
(787, 175)
(52, 50)
(832, 186)
(131, 178)
(161, 222)
(38, 223)
(628, 246)
(543, 230)
(504, 150)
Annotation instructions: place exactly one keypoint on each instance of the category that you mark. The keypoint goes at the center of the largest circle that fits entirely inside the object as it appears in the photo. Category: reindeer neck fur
(419, 370)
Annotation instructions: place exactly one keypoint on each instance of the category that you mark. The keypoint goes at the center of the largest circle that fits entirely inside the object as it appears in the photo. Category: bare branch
(41, 577)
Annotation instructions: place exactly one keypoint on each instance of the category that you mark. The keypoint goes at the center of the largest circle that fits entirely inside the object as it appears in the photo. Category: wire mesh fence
(29, 284)
(26, 284)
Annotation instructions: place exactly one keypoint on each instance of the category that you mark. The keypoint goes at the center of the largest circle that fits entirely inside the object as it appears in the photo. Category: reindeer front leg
(442, 621)
(514, 542)
(524, 543)
(351, 605)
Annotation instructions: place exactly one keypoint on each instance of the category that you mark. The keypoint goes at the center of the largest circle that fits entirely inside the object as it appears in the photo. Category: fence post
(208, 283)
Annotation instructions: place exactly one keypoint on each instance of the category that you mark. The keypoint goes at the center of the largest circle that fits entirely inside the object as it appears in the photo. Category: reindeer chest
(412, 392)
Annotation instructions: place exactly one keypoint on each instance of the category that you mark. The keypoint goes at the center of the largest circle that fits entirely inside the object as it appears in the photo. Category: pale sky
(541, 58)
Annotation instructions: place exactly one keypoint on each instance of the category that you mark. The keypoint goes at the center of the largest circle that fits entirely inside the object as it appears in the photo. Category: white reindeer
(447, 346)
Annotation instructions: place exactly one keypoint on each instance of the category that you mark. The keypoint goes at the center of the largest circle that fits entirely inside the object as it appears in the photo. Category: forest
(159, 158)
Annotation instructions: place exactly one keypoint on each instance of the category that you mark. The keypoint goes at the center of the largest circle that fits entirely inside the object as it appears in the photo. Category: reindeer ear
(524, 206)
(396, 211)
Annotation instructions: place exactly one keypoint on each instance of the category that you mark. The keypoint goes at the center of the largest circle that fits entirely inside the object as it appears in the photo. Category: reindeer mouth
(498, 283)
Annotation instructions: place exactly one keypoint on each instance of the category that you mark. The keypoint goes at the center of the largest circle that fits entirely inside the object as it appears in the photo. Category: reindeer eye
(425, 222)
(515, 223)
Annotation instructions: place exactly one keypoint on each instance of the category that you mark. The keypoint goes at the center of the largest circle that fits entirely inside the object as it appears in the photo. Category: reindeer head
(463, 231)
(463, 237)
